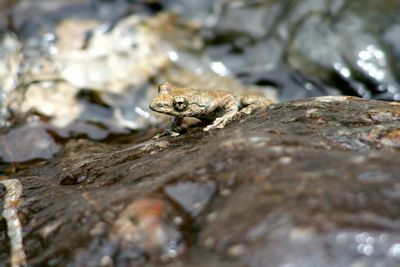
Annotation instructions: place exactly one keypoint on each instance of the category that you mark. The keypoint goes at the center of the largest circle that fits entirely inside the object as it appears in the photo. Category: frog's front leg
(220, 122)
(175, 126)
(173, 129)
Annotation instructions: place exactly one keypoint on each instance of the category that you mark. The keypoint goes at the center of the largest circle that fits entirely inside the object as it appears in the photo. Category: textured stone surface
(310, 182)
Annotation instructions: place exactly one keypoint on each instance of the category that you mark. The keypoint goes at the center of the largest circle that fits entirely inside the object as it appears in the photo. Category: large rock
(304, 183)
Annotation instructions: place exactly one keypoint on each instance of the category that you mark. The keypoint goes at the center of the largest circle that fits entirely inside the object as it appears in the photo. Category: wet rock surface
(310, 182)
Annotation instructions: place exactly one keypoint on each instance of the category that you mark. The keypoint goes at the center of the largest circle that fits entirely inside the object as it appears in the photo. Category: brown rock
(305, 183)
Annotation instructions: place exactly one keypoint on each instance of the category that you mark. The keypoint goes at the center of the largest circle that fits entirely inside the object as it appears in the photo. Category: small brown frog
(216, 106)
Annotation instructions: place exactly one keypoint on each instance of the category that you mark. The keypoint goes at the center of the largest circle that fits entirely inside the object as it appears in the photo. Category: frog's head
(174, 101)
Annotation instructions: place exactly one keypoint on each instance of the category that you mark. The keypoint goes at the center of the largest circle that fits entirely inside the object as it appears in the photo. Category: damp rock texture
(311, 182)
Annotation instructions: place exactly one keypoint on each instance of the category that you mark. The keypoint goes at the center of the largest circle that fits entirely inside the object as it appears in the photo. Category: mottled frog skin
(215, 106)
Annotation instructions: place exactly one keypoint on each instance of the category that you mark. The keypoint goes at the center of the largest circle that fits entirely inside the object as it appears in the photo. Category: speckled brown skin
(216, 106)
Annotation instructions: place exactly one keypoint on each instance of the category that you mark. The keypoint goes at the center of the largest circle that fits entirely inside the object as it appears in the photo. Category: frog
(216, 107)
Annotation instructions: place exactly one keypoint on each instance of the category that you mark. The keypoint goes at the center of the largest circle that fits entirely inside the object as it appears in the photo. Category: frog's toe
(247, 111)
(166, 132)
(211, 126)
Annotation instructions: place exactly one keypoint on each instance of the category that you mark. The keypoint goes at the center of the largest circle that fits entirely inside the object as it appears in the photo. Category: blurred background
(87, 68)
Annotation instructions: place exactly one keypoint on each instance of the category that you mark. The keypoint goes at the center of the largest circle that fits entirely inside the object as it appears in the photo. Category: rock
(106, 74)
(316, 177)
(28, 142)
(354, 52)
(10, 58)
(192, 197)
(141, 226)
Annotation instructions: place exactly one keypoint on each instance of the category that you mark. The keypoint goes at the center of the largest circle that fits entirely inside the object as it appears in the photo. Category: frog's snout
(156, 106)
(153, 105)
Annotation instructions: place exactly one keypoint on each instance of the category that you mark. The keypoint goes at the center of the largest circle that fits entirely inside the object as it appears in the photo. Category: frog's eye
(180, 103)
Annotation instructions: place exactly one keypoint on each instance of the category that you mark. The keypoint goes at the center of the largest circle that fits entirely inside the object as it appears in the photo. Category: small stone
(212, 216)
(29, 142)
(106, 261)
(236, 250)
(141, 222)
(191, 196)
(178, 220)
(285, 160)
(209, 242)
(225, 192)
